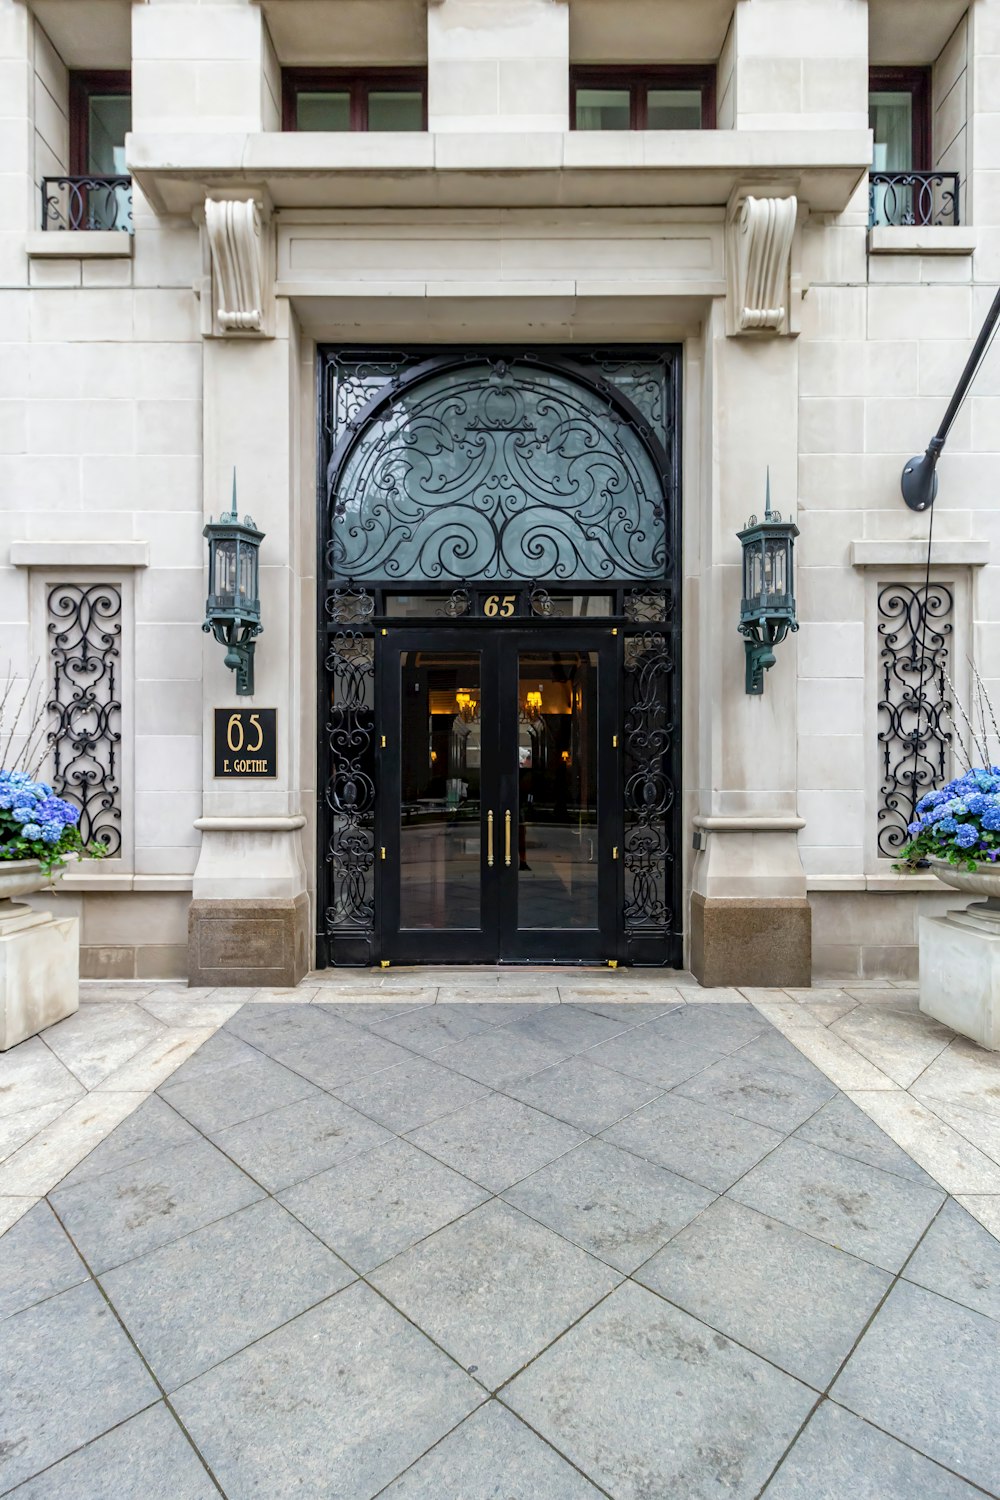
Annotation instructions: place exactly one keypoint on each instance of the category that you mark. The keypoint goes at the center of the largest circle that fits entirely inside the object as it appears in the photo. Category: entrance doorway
(500, 819)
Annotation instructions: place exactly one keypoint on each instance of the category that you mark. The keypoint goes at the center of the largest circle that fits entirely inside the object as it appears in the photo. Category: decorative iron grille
(914, 627)
(85, 626)
(87, 203)
(349, 772)
(919, 198)
(651, 753)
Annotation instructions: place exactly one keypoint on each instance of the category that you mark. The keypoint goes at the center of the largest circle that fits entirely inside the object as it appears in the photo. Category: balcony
(97, 204)
(912, 199)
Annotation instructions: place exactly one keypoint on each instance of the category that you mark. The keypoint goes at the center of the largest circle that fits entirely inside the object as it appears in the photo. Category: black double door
(500, 803)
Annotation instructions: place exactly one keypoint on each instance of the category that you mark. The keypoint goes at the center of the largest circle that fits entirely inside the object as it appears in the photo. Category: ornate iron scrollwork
(457, 604)
(350, 790)
(650, 751)
(914, 624)
(540, 601)
(349, 605)
(85, 626)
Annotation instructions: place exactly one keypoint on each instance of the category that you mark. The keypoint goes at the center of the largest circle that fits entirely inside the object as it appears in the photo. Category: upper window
(899, 115)
(681, 98)
(100, 119)
(345, 99)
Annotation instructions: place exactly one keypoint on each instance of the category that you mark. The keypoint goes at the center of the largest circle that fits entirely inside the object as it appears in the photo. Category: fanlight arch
(495, 468)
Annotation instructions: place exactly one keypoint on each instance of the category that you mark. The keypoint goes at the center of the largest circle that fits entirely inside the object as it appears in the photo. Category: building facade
(505, 313)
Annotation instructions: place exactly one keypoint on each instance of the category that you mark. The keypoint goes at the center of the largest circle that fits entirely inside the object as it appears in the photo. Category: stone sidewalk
(597, 1235)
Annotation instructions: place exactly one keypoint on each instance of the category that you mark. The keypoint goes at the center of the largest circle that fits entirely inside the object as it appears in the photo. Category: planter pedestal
(960, 959)
(39, 964)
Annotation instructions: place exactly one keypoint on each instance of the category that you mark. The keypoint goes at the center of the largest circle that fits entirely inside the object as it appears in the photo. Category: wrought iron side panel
(348, 863)
(84, 627)
(914, 628)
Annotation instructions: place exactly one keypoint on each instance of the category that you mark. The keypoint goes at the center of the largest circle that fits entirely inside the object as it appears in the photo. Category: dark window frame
(639, 79)
(358, 82)
(917, 83)
(83, 84)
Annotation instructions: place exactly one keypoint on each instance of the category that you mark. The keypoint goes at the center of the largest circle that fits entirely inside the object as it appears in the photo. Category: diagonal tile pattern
(529, 1232)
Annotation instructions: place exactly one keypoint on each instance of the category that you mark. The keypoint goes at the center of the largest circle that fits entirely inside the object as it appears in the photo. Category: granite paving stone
(363, 1010)
(146, 1458)
(37, 1259)
(928, 1371)
(492, 1455)
(496, 1141)
(31, 1075)
(636, 1012)
(237, 1092)
(773, 1050)
(764, 1095)
(839, 1456)
(343, 1057)
(601, 1395)
(372, 1207)
(94, 1044)
(960, 1259)
(151, 1129)
(500, 1057)
(498, 1012)
(570, 1028)
(703, 1144)
(135, 1208)
(583, 1093)
(614, 1204)
(294, 1415)
(874, 1215)
(842, 1126)
(783, 1294)
(494, 1288)
(275, 1028)
(411, 1093)
(431, 1027)
(299, 1140)
(652, 1057)
(67, 1374)
(201, 1298)
(23, 1124)
(721, 1028)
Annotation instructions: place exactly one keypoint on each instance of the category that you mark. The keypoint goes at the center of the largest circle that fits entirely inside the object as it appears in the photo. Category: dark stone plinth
(259, 942)
(765, 943)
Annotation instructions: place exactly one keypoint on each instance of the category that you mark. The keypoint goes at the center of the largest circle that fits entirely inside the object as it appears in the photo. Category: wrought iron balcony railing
(917, 198)
(87, 203)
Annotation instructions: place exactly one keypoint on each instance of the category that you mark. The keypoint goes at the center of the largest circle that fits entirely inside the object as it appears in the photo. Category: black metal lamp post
(232, 610)
(767, 609)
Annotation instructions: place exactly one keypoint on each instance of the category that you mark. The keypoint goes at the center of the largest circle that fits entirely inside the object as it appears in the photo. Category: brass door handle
(489, 837)
(506, 837)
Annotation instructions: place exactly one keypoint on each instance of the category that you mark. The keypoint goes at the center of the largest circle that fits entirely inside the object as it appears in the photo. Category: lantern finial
(767, 494)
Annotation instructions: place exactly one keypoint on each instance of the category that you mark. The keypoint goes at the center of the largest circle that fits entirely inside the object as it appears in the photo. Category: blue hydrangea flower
(31, 831)
(966, 836)
(945, 825)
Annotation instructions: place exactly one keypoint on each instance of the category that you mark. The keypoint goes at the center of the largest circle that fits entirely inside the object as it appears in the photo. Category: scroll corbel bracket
(241, 280)
(760, 276)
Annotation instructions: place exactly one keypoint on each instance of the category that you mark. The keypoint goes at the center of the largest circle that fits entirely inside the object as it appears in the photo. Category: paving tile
(723, 1027)
(493, 1289)
(136, 1207)
(614, 1204)
(874, 1215)
(12, 1210)
(95, 1042)
(411, 1093)
(960, 1259)
(294, 1414)
(950, 1159)
(928, 1371)
(570, 1028)
(103, 991)
(491, 1448)
(18, 1128)
(193, 1302)
(637, 1012)
(842, 1126)
(223, 1050)
(782, 1293)
(838, 1455)
(299, 1140)
(774, 1050)
(985, 1209)
(764, 1095)
(496, 1141)
(48, 1156)
(67, 1373)
(272, 1028)
(37, 1259)
(368, 1010)
(900, 1043)
(31, 1075)
(648, 1402)
(250, 1086)
(152, 1128)
(703, 1144)
(500, 1057)
(372, 1207)
(153, 1064)
(652, 1057)
(344, 1056)
(186, 1012)
(982, 1129)
(497, 1012)
(837, 1059)
(583, 1093)
(146, 1458)
(430, 1027)
(962, 1074)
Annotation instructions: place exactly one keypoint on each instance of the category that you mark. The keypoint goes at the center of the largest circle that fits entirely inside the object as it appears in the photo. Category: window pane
(395, 109)
(602, 109)
(109, 120)
(673, 109)
(891, 119)
(323, 111)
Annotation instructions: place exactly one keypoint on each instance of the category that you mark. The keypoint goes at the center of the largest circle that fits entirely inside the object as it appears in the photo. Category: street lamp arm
(919, 478)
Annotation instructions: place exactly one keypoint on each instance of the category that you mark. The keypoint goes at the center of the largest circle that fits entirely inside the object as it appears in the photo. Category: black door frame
(499, 939)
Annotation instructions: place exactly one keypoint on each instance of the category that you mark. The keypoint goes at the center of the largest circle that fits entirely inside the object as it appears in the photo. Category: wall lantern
(232, 610)
(767, 609)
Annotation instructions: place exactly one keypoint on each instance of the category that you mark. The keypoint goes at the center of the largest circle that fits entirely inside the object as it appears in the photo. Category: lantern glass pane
(247, 555)
(776, 557)
(225, 566)
(756, 572)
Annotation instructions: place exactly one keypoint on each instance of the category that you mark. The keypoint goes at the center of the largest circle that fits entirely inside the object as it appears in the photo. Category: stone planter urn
(39, 957)
(960, 957)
